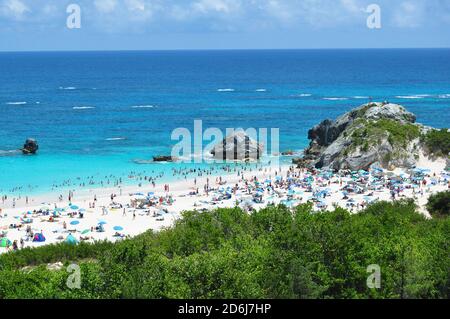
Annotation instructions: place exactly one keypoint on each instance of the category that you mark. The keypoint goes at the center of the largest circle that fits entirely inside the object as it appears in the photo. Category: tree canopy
(273, 253)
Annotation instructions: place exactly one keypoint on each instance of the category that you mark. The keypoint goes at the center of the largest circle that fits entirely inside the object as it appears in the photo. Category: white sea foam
(8, 153)
(142, 106)
(261, 90)
(444, 96)
(115, 139)
(225, 90)
(67, 88)
(305, 95)
(410, 97)
(335, 98)
(360, 97)
(83, 107)
(16, 103)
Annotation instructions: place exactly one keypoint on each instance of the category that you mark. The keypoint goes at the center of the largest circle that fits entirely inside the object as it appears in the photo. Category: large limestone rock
(328, 131)
(238, 147)
(381, 133)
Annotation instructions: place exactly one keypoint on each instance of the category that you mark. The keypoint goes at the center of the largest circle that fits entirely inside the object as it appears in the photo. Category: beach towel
(5, 242)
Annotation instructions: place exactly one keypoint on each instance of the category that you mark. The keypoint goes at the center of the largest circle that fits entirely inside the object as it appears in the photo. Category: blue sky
(222, 24)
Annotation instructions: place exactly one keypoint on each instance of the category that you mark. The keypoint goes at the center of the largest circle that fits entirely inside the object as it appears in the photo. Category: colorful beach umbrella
(85, 231)
(71, 240)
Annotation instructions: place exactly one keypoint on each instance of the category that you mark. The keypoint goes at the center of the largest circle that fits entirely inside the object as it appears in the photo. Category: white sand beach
(117, 213)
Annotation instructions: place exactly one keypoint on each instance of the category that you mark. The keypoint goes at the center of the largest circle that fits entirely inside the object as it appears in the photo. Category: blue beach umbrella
(102, 222)
(71, 240)
(75, 222)
(74, 207)
(118, 228)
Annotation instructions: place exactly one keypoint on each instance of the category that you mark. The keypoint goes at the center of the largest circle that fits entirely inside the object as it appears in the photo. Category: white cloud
(179, 13)
(105, 6)
(221, 6)
(135, 5)
(15, 9)
(50, 10)
(352, 6)
(315, 13)
(229, 15)
(141, 10)
(409, 14)
(280, 11)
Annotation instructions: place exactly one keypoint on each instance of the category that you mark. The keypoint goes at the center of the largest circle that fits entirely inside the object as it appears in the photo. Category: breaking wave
(225, 90)
(335, 98)
(83, 107)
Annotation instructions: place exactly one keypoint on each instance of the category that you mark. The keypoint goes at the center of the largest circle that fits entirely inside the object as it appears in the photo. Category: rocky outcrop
(30, 147)
(164, 159)
(238, 147)
(376, 133)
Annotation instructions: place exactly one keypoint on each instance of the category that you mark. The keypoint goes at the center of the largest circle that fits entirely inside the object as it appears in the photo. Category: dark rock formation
(238, 147)
(288, 153)
(30, 146)
(164, 159)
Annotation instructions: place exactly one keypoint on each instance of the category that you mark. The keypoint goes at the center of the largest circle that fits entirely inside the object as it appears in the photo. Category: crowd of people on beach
(250, 187)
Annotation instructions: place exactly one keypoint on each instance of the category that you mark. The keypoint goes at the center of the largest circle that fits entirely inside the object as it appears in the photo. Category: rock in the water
(381, 133)
(238, 147)
(164, 159)
(30, 147)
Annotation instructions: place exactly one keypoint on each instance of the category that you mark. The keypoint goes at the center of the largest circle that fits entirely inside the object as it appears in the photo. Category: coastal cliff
(382, 134)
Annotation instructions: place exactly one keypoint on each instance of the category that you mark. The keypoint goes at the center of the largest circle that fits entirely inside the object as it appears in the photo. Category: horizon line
(230, 49)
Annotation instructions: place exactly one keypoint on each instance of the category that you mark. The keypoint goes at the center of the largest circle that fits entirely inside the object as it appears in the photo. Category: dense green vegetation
(273, 253)
(439, 204)
(438, 142)
(372, 133)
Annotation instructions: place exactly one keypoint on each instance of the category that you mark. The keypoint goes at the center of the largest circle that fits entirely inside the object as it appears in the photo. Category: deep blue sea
(93, 113)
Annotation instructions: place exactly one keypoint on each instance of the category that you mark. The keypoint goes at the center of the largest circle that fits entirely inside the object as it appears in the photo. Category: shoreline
(117, 212)
(142, 183)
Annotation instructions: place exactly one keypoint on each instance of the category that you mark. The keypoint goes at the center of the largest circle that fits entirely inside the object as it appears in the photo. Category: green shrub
(438, 142)
(273, 253)
(439, 204)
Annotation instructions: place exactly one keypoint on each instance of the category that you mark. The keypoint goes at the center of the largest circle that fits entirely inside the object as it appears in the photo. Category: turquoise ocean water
(94, 113)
